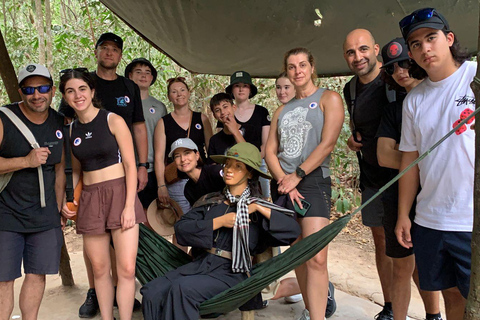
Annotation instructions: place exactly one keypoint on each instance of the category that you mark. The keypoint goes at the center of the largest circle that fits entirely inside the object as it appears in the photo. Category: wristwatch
(300, 173)
(144, 164)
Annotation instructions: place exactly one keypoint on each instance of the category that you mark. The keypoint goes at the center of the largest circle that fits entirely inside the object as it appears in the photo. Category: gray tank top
(300, 126)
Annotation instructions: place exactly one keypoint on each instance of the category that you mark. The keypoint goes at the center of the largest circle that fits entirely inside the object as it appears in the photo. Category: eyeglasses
(82, 70)
(404, 64)
(41, 89)
(181, 79)
(419, 16)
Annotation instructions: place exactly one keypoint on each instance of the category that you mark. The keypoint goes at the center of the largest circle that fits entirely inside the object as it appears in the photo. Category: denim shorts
(40, 252)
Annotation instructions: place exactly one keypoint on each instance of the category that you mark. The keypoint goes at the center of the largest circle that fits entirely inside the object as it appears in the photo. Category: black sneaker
(385, 314)
(89, 308)
(331, 303)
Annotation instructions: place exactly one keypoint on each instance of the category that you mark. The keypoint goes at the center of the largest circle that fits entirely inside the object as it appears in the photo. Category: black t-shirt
(221, 142)
(370, 98)
(173, 132)
(120, 96)
(20, 209)
(391, 127)
(210, 180)
(257, 121)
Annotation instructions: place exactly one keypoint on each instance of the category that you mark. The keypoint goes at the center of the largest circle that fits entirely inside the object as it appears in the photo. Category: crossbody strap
(68, 163)
(33, 143)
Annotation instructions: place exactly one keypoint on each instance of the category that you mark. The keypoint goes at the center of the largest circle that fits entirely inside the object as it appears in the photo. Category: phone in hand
(305, 205)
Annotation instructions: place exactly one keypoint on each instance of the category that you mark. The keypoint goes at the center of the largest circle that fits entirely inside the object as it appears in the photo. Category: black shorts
(150, 192)
(317, 191)
(40, 252)
(443, 258)
(390, 217)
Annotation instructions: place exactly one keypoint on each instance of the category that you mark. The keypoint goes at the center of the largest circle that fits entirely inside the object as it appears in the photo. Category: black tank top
(173, 132)
(93, 144)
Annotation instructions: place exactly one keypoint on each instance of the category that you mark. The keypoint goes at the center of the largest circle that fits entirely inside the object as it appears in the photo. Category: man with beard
(30, 230)
(119, 95)
(366, 96)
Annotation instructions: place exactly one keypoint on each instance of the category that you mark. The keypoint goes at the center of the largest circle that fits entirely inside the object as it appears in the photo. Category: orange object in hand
(76, 197)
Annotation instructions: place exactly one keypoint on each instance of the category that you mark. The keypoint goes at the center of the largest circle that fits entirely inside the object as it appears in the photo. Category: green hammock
(156, 256)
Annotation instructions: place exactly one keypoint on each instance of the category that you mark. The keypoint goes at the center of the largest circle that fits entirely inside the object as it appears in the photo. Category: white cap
(34, 69)
(186, 143)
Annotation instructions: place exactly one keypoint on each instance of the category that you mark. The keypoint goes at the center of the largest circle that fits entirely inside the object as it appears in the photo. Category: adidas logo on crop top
(93, 144)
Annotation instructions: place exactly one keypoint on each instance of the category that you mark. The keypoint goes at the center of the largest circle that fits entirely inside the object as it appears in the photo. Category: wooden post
(7, 72)
(248, 315)
(65, 270)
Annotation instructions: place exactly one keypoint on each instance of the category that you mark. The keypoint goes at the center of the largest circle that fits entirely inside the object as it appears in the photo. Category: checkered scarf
(241, 261)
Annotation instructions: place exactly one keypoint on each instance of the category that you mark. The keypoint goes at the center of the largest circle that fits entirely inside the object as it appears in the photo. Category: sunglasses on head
(419, 16)
(41, 89)
(181, 79)
(82, 70)
(404, 64)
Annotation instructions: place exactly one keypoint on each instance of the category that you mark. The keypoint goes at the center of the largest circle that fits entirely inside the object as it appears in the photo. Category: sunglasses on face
(41, 89)
(82, 70)
(404, 64)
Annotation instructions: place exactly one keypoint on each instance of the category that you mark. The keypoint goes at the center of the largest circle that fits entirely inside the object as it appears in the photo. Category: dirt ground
(351, 265)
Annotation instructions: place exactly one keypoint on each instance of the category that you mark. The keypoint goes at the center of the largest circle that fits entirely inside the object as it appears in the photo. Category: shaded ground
(351, 267)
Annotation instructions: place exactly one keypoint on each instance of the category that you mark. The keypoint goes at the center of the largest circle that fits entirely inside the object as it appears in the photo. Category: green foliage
(73, 46)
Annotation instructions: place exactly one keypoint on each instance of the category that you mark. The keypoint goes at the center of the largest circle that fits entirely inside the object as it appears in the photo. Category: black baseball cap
(423, 18)
(109, 36)
(394, 51)
(144, 61)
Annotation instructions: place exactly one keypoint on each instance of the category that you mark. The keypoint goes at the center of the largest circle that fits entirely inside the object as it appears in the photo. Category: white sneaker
(294, 298)
(305, 315)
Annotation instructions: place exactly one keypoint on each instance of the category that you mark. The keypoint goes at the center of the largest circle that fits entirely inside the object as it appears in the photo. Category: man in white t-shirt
(442, 230)
(143, 73)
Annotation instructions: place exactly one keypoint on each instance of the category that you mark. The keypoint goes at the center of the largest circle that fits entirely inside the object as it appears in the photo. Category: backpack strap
(68, 163)
(353, 95)
(33, 143)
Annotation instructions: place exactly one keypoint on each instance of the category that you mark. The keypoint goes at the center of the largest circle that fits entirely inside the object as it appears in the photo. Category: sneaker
(89, 308)
(331, 303)
(305, 315)
(385, 314)
(438, 317)
(294, 298)
(265, 304)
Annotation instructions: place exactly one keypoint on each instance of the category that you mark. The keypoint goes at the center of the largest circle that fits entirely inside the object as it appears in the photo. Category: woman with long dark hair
(109, 209)
(302, 135)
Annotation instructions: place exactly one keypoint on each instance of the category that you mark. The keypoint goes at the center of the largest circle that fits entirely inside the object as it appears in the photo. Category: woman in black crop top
(181, 123)
(109, 208)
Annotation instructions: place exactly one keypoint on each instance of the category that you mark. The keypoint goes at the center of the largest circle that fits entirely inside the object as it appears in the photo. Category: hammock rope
(156, 256)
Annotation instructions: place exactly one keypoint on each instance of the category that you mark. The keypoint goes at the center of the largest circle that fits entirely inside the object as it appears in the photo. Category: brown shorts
(101, 205)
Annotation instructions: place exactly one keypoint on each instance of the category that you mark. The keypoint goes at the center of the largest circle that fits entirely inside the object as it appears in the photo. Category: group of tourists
(127, 152)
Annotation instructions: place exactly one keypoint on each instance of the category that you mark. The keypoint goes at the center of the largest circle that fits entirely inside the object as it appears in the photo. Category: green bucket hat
(241, 77)
(244, 152)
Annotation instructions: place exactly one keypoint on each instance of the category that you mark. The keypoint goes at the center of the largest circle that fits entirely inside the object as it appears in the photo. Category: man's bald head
(360, 52)
(359, 33)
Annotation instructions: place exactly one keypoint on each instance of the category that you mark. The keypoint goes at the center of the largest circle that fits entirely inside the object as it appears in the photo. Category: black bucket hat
(241, 77)
(144, 61)
(394, 51)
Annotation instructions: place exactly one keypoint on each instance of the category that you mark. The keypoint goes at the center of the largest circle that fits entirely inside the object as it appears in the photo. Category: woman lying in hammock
(224, 232)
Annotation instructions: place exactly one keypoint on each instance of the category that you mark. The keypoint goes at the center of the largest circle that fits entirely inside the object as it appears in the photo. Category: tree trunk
(7, 72)
(472, 311)
(65, 270)
(48, 32)
(40, 30)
